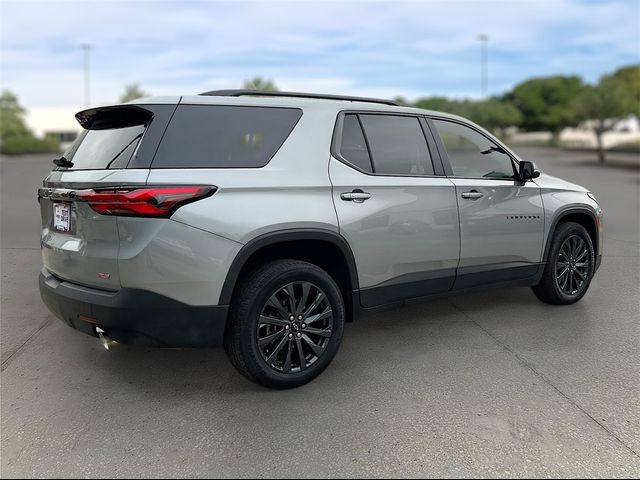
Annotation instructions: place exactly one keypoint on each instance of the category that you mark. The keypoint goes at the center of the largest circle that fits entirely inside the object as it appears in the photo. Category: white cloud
(363, 48)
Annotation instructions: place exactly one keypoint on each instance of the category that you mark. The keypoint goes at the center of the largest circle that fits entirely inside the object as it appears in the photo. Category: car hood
(546, 181)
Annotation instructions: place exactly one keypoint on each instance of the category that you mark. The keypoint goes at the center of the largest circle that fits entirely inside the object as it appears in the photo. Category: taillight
(159, 202)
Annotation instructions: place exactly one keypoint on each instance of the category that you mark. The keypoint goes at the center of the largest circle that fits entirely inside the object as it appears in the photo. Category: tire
(569, 267)
(263, 343)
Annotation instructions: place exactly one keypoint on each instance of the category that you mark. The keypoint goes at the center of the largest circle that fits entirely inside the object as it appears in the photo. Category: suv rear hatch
(115, 149)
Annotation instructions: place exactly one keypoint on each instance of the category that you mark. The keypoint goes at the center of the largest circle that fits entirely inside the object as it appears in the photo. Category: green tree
(259, 83)
(399, 99)
(630, 78)
(494, 114)
(11, 116)
(440, 104)
(604, 104)
(547, 103)
(462, 108)
(133, 92)
(15, 137)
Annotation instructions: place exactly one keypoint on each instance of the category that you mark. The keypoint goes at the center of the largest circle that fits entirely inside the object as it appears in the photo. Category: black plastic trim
(491, 280)
(148, 146)
(442, 151)
(132, 316)
(408, 286)
(469, 277)
(281, 236)
(562, 213)
(155, 140)
(436, 158)
(366, 141)
(390, 296)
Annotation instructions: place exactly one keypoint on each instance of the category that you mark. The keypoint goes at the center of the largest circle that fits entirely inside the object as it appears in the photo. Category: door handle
(356, 195)
(473, 195)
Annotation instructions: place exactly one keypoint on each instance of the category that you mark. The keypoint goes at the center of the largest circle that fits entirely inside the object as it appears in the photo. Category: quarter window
(216, 136)
(471, 154)
(398, 145)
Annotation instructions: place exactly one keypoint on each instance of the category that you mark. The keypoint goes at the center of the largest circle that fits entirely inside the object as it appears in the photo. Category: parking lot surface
(486, 384)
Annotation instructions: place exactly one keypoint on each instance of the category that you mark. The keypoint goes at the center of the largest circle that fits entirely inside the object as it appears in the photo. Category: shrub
(27, 143)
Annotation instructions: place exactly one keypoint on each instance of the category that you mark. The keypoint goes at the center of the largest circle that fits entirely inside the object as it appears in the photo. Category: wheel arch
(324, 248)
(580, 215)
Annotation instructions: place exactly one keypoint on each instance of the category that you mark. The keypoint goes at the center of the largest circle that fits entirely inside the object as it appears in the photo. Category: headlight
(592, 196)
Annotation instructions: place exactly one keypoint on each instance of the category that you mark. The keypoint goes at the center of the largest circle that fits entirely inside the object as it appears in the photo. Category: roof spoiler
(117, 116)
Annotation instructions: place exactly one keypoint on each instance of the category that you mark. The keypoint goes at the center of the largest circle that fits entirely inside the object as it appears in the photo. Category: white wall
(573, 137)
(54, 119)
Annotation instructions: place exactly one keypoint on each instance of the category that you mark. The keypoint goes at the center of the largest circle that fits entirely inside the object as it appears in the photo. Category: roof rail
(260, 93)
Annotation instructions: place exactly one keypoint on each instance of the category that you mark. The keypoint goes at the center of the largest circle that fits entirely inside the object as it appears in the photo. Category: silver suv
(265, 221)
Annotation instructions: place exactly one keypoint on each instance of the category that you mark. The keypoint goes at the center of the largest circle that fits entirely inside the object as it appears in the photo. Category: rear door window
(353, 146)
(398, 145)
(215, 136)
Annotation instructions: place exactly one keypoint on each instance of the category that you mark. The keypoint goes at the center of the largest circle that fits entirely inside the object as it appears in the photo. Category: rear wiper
(63, 162)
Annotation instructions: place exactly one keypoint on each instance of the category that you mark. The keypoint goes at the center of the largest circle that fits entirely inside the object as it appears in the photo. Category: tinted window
(104, 149)
(471, 154)
(398, 145)
(207, 136)
(353, 146)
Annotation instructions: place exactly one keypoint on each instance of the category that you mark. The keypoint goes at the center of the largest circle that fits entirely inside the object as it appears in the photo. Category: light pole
(87, 83)
(484, 38)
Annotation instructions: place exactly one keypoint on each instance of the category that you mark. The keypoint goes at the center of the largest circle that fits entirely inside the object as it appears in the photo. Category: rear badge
(104, 276)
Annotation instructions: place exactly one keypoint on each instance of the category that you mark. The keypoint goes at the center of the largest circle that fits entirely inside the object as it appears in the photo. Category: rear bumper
(131, 316)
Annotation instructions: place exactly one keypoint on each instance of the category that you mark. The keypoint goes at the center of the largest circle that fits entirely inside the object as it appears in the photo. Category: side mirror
(527, 171)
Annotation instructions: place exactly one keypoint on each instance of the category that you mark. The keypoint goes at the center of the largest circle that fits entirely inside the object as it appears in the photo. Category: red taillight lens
(158, 202)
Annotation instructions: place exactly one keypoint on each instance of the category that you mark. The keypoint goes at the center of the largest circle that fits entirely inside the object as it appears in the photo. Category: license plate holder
(62, 217)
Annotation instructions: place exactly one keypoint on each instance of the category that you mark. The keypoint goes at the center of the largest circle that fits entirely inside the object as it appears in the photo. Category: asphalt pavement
(486, 384)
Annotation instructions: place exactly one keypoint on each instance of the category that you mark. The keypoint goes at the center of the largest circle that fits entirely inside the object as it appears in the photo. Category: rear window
(110, 137)
(104, 149)
(206, 136)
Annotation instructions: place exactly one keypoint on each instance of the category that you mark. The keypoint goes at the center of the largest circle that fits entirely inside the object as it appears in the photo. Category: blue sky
(414, 48)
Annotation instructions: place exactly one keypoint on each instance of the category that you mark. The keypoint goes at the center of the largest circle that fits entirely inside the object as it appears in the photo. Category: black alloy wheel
(295, 326)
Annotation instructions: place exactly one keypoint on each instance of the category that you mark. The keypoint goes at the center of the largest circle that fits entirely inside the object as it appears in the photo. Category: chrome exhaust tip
(107, 342)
